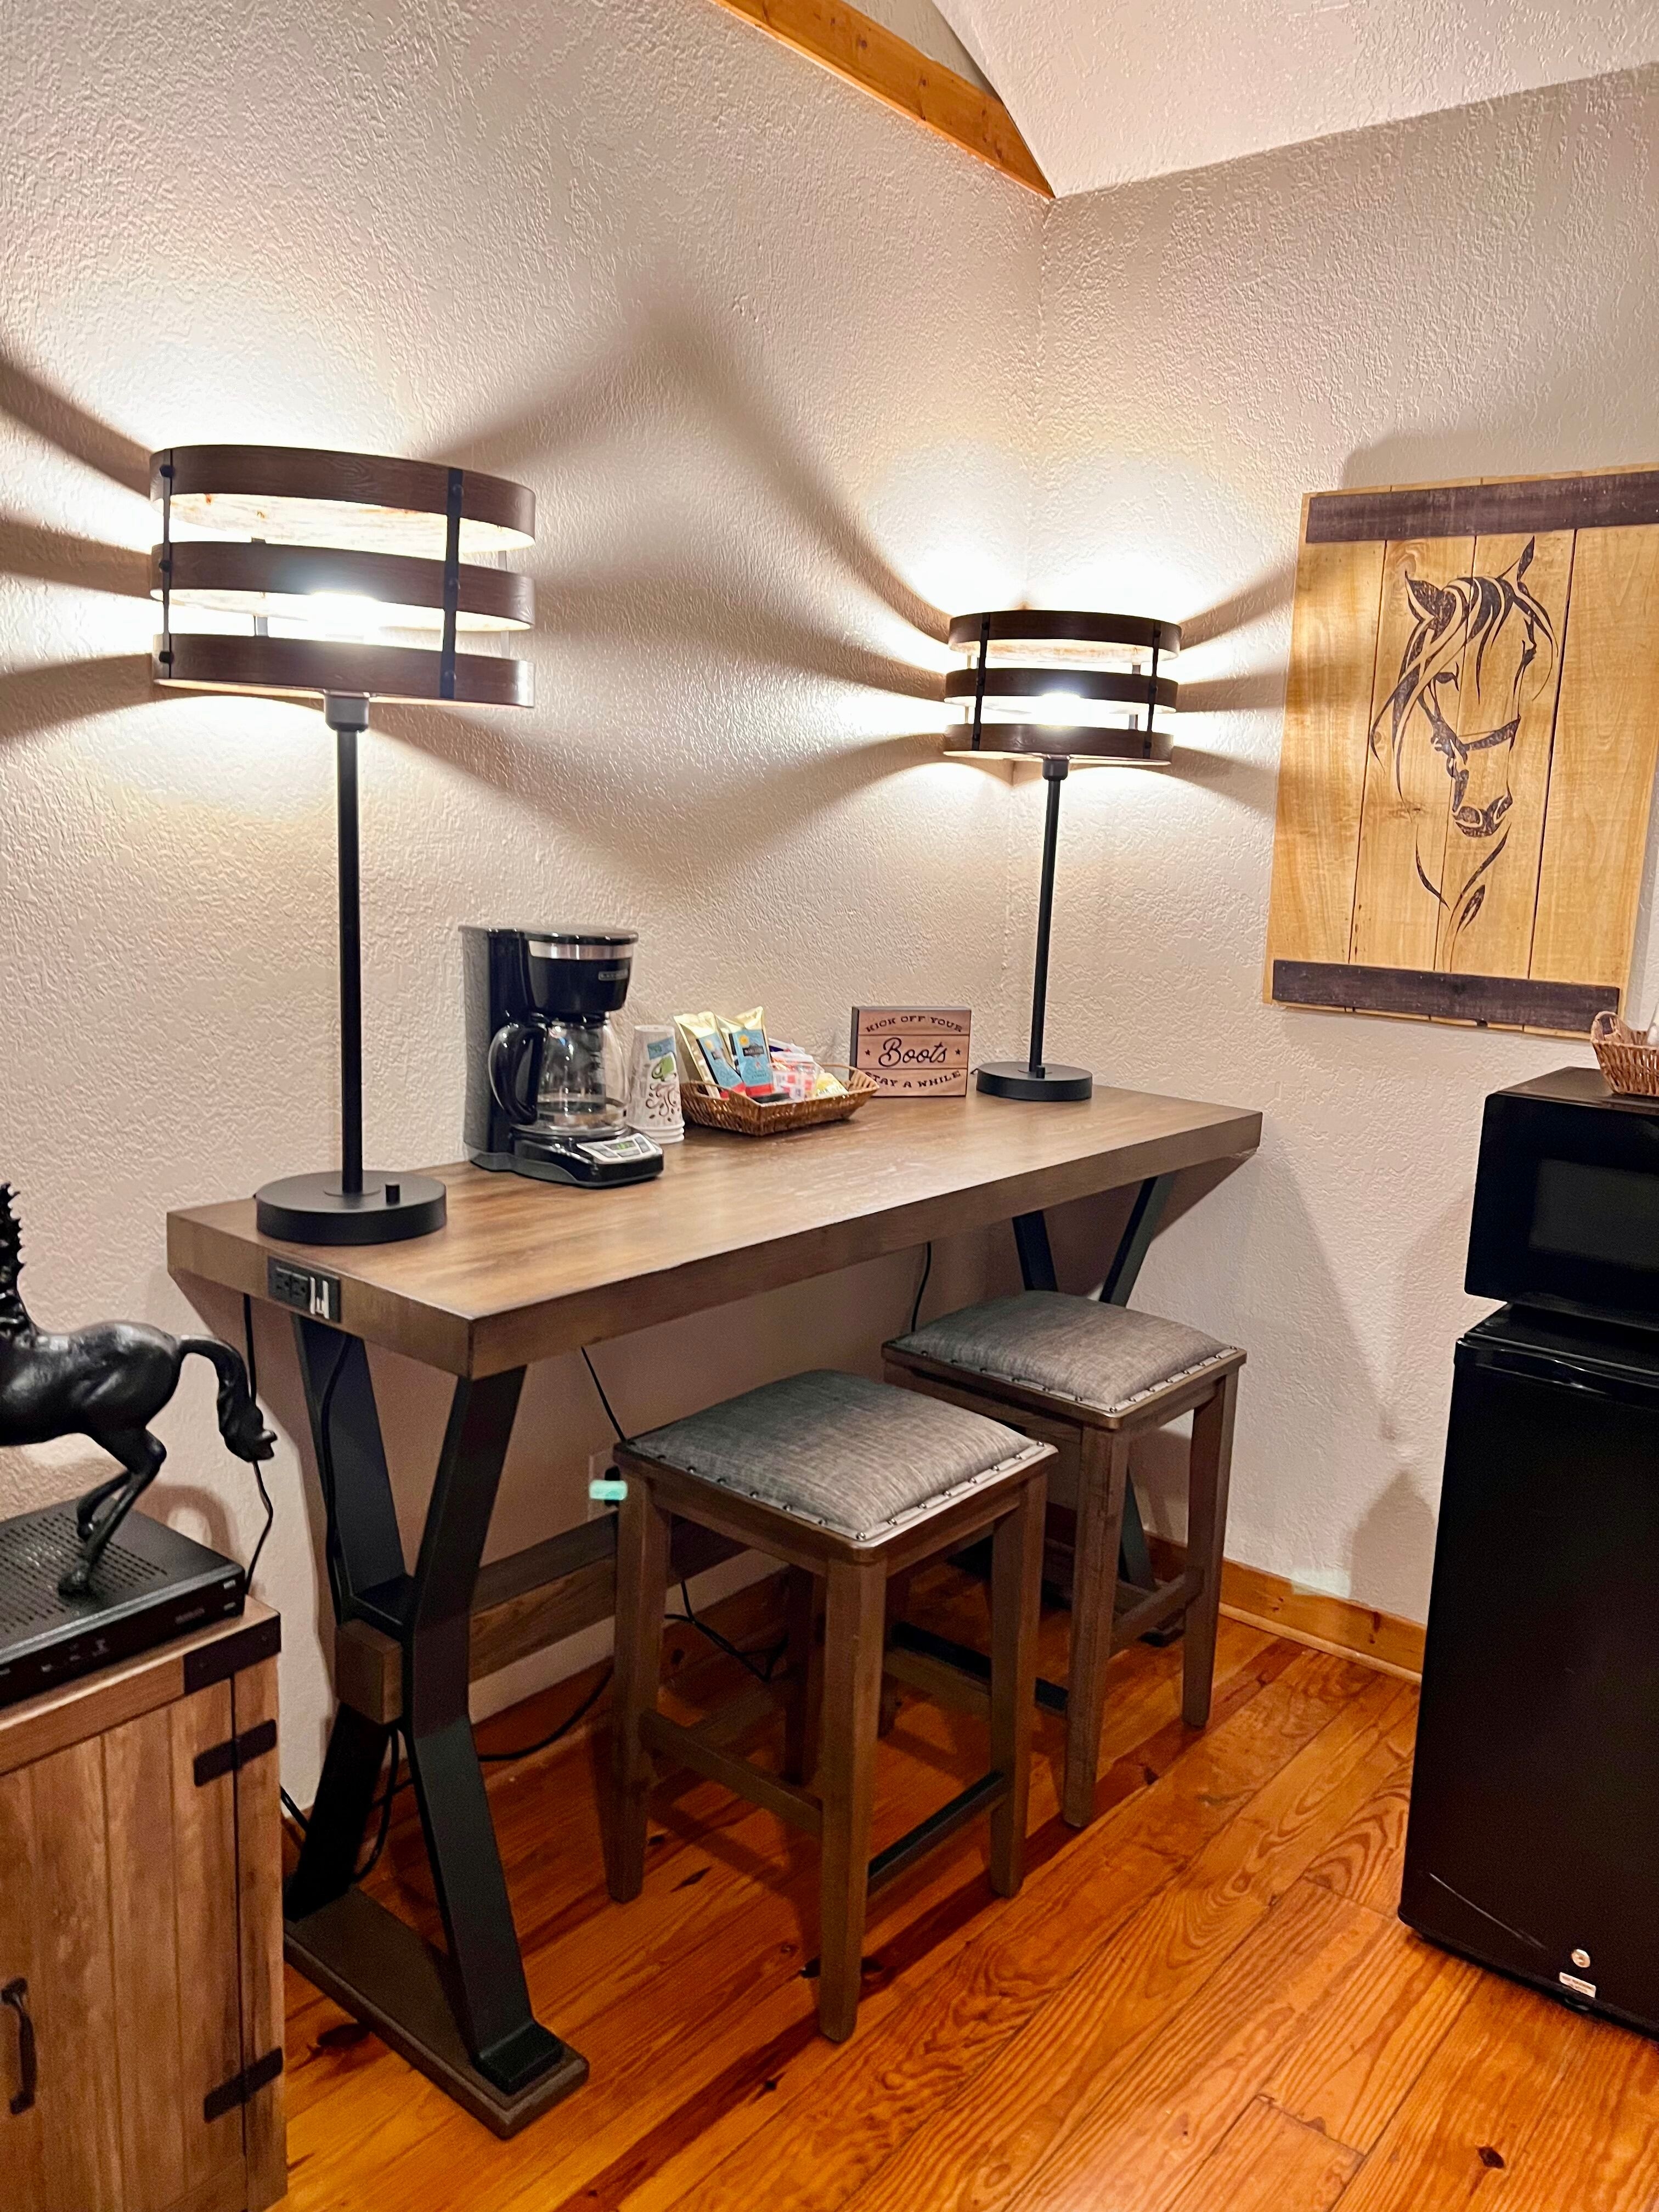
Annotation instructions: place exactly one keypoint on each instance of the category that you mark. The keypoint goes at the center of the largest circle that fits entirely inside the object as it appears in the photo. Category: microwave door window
(1607, 1216)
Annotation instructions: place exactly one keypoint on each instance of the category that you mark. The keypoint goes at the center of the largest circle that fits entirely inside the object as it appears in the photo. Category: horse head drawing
(1480, 650)
(108, 1383)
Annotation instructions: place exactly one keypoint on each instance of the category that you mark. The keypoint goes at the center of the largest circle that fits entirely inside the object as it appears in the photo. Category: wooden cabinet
(140, 2031)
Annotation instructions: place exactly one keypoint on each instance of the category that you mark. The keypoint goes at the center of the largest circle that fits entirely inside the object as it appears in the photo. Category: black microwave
(1566, 1199)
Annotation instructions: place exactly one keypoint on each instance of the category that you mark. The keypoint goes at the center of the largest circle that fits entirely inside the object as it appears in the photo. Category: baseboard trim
(1383, 1640)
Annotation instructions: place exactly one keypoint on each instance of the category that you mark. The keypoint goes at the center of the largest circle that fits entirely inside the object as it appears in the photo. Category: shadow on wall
(1265, 596)
(677, 372)
(676, 367)
(35, 406)
(723, 797)
(1396, 1537)
(35, 700)
(1246, 783)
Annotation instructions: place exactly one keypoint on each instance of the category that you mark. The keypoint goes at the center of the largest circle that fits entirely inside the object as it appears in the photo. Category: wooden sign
(1471, 727)
(912, 1052)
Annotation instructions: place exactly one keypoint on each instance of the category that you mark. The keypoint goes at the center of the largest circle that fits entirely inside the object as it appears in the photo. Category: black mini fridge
(1533, 1840)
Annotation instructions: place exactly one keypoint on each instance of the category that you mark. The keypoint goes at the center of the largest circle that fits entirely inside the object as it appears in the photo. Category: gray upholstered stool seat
(1103, 1357)
(850, 1484)
(1090, 1378)
(861, 1459)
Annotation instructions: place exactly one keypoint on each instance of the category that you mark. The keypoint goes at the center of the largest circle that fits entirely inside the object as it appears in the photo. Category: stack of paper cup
(653, 1084)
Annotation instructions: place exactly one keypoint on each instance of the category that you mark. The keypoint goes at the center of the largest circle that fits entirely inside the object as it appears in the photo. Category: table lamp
(1057, 688)
(321, 554)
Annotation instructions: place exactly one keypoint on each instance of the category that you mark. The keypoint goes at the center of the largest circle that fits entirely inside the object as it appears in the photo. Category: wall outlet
(600, 1468)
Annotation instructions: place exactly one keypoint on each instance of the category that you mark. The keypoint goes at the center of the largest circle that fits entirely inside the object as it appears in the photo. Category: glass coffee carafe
(559, 1076)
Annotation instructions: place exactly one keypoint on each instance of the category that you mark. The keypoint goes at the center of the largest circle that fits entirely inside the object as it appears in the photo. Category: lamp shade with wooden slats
(346, 577)
(1038, 684)
(1058, 687)
(306, 572)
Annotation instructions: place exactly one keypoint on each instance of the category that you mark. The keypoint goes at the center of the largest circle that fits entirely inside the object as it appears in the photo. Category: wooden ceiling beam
(868, 54)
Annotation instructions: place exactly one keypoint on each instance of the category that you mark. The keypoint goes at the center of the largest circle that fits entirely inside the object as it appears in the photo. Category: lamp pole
(1055, 769)
(347, 715)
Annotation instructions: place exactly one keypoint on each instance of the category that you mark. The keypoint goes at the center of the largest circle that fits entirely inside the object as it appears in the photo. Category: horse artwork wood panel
(1470, 735)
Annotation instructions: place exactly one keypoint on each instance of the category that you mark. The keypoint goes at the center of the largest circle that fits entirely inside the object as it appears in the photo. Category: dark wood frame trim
(1512, 1002)
(401, 579)
(1616, 499)
(382, 480)
(207, 661)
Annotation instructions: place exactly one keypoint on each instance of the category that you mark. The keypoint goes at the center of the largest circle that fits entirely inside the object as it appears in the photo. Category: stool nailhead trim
(911, 1513)
(1070, 1397)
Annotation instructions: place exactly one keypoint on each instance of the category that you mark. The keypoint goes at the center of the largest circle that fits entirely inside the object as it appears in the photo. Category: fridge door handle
(1550, 1374)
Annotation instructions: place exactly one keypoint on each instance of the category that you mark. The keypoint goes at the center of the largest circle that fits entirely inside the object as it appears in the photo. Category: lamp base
(312, 1209)
(1013, 1078)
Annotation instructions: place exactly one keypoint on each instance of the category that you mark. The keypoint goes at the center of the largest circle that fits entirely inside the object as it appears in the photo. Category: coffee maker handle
(516, 1070)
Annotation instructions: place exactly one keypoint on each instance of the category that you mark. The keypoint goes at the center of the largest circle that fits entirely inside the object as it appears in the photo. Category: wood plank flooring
(1204, 2000)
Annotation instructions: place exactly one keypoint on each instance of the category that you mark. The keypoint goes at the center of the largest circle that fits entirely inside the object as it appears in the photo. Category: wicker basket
(748, 1117)
(1630, 1064)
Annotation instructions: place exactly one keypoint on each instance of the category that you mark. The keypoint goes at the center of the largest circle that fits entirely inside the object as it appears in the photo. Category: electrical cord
(258, 1471)
(762, 1673)
(927, 1270)
(392, 1786)
(546, 1742)
(604, 1401)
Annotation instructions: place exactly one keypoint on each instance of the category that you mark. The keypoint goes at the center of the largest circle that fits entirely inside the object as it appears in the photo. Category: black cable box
(152, 1585)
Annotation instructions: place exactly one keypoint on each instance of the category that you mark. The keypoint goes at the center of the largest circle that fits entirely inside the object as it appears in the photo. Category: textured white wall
(786, 374)
(1472, 294)
(711, 306)
(1105, 95)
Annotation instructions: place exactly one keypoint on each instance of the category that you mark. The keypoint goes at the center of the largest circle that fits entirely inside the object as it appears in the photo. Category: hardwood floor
(1204, 2000)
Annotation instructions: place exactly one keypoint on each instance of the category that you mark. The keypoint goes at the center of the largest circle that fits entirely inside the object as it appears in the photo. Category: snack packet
(705, 1061)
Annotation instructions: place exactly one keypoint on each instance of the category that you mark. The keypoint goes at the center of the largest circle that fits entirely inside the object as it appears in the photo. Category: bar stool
(847, 1481)
(1088, 1378)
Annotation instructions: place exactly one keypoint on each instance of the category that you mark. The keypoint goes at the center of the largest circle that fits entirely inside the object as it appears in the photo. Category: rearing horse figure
(108, 1383)
(1481, 649)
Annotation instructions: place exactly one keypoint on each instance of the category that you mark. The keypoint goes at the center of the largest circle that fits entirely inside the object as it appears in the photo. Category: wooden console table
(524, 1271)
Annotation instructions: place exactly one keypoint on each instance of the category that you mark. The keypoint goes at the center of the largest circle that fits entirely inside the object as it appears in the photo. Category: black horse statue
(108, 1383)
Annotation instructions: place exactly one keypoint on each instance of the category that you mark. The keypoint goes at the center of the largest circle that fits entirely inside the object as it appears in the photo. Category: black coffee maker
(545, 1088)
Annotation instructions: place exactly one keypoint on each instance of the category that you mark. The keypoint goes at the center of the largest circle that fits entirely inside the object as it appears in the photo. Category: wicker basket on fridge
(1628, 1061)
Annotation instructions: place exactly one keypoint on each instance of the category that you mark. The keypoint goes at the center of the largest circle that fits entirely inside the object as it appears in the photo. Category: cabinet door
(54, 1935)
(174, 1949)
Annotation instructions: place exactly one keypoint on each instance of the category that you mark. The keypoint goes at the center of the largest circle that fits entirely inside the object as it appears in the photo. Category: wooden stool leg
(805, 1658)
(1102, 1475)
(855, 1621)
(1211, 1465)
(643, 1531)
(1015, 1606)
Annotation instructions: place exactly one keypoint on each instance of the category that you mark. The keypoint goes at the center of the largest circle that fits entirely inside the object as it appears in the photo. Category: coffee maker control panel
(592, 1162)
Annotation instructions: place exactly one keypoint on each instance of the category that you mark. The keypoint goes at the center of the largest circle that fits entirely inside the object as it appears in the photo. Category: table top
(525, 1270)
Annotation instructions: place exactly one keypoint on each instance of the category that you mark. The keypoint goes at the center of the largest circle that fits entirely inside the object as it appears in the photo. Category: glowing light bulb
(1054, 709)
(339, 615)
